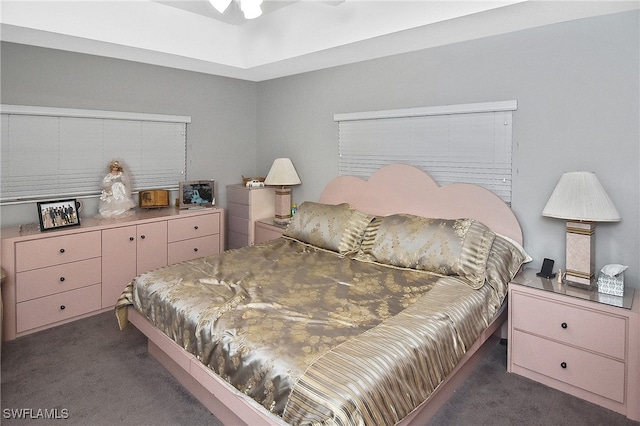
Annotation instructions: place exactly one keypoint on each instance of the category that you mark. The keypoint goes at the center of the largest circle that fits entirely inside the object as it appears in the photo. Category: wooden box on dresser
(245, 205)
(581, 342)
(59, 276)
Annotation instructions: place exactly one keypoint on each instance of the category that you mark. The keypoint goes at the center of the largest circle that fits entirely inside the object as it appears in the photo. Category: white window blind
(458, 143)
(56, 152)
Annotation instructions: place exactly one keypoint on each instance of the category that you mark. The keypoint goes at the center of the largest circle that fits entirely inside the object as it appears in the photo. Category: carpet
(90, 373)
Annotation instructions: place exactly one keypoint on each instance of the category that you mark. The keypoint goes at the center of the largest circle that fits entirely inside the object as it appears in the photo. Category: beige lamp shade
(580, 196)
(282, 173)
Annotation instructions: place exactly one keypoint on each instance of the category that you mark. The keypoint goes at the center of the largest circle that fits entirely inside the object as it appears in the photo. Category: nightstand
(581, 342)
(267, 229)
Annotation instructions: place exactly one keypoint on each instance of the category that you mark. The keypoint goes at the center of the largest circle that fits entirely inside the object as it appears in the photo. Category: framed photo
(196, 193)
(58, 214)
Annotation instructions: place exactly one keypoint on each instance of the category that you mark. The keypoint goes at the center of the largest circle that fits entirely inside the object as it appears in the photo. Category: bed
(369, 310)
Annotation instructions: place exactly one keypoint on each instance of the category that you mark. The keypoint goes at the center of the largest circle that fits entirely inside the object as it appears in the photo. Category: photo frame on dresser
(58, 214)
(196, 193)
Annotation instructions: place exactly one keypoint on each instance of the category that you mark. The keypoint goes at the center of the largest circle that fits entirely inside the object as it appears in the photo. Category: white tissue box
(611, 300)
(613, 285)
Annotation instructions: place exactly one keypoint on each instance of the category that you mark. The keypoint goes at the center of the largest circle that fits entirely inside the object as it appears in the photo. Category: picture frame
(58, 214)
(153, 198)
(196, 194)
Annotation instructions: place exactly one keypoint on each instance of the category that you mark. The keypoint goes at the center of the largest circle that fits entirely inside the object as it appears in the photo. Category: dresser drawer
(239, 225)
(236, 240)
(237, 194)
(594, 373)
(193, 227)
(58, 307)
(196, 247)
(57, 250)
(57, 279)
(238, 210)
(587, 329)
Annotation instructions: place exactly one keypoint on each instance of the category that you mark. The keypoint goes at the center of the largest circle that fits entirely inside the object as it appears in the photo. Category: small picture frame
(153, 198)
(58, 214)
(196, 194)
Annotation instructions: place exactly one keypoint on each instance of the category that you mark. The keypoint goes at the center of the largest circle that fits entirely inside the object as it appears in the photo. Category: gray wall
(221, 136)
(577, 87)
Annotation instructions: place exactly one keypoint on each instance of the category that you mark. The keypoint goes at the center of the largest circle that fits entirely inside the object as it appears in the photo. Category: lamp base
(283, 206)
(579, 279)
(585, 286)
(278, 221)
(581, 244)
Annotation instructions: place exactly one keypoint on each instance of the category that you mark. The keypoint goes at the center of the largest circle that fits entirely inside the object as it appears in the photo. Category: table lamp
(581, 200)
(282, 174)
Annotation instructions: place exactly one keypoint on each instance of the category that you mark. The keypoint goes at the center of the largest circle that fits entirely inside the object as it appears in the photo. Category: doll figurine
(115, 199)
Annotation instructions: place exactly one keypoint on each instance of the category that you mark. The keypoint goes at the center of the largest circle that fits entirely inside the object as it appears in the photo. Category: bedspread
(312, 336)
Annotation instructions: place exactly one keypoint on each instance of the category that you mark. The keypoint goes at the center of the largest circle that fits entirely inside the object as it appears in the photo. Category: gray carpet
(491, 396)
(99, 375)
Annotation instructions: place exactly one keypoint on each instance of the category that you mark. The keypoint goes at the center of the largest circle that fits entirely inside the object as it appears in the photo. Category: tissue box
(611, 300)
(613, 285)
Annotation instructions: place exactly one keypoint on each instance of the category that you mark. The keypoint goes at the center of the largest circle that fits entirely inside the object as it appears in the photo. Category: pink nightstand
(576, 341)
(267, 229)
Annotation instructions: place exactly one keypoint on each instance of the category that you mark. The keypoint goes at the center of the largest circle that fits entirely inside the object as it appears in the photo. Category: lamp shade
(282, 173)
(580, 196)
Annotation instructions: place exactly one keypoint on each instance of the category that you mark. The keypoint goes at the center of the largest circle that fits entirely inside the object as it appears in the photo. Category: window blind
(55, 152)
(458, 143)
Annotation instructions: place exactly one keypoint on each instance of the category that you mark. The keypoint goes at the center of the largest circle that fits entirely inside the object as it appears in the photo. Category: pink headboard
(400, 188)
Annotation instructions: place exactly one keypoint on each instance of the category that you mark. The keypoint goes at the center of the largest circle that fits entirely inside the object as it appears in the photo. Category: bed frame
(397, 188)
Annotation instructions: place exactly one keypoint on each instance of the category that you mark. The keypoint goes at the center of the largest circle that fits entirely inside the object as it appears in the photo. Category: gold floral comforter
(313, 336)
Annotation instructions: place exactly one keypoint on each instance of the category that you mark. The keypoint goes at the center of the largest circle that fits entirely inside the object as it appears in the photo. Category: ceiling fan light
(251, 8)
(220, 5)
(250, 4)
(252, 12)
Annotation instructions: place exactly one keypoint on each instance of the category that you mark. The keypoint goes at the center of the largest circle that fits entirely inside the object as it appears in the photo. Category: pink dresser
(59, 276)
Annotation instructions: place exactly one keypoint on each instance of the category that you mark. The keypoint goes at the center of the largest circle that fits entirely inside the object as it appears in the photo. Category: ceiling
(290, 37)
(232, 15)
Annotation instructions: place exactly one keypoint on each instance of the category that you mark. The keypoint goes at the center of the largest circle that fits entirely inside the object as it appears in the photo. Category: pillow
(337, 228)
(443, 246)
(505, 259)
(369, 236)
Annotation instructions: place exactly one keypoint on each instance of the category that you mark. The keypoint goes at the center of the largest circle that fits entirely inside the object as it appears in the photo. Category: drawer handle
(195, 249)
(563, 364)
(142, 236)
(131, 238)
(61, 250)
(62, 307)
(61, 279)
(564, 325)
(195, 227)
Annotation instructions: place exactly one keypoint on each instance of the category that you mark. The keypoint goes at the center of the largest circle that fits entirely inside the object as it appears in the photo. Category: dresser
(580, 342)
(128, 251)
(246, 205)
(59, 276)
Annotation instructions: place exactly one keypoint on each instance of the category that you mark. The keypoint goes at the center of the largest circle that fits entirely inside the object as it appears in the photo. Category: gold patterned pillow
(505, 259)
(446, 247)
(338, 228)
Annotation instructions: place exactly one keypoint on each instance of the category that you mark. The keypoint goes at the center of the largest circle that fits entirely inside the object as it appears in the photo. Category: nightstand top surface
(529, 278)
(272, 222)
